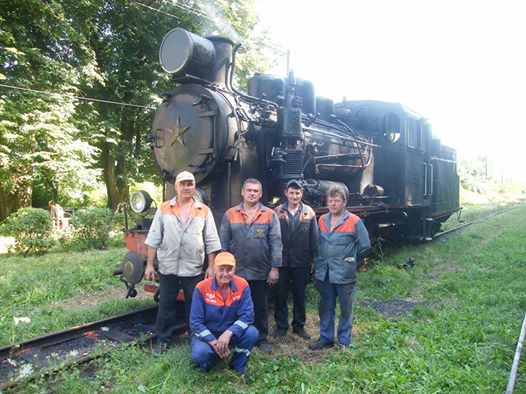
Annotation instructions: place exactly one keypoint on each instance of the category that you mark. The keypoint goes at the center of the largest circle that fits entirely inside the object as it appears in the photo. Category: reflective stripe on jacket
(211, 315)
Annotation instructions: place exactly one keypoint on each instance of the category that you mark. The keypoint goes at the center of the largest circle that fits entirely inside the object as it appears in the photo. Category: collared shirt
(341, 249)
(256, 245)
(182, 246)
(211, 314)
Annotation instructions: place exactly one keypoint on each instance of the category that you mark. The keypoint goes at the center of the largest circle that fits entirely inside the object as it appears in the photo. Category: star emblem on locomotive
(178, 132)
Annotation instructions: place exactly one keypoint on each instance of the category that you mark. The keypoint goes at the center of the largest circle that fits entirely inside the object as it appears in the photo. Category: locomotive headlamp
(392, 136)
(140, 201)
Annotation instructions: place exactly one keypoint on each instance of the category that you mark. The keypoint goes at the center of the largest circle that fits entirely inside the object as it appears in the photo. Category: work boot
(159, 348)
(302, 333)
(280, 333)
(319, 344)
(264, 346)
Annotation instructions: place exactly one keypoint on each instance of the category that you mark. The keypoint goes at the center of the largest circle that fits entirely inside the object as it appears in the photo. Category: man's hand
(209, 272)
(220, 345)
(149, 273)
(273, 276)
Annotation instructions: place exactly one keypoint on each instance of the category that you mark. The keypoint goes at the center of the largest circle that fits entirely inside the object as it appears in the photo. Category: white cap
(184, 176)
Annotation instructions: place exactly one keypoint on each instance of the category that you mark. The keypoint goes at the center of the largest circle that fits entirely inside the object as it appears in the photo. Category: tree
(93, 49)
(40, 51)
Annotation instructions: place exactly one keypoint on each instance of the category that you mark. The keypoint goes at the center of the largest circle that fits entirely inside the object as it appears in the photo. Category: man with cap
(222, 316)
(299, 235)
(251, 232)
(183, 231)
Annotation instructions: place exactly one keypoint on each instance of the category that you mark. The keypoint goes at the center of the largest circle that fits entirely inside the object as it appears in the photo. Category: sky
(460, 64)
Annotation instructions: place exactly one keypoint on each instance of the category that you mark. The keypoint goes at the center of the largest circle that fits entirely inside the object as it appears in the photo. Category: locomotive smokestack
(185, 54)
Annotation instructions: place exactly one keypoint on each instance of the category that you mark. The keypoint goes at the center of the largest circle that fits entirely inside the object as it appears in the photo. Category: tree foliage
(38, 136)
(91, 228)
(93, 49)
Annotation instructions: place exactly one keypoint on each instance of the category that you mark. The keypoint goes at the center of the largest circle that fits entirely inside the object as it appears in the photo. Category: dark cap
(294, 182)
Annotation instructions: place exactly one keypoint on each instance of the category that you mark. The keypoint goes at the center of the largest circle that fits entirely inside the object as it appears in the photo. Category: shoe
(280, 333)
(160, 348)
(243, 376)
(302, 333)
(319, 344)
(264, 347)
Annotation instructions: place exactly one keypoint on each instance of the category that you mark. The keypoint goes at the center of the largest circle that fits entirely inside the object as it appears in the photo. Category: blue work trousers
(327, 310)
(242, 345)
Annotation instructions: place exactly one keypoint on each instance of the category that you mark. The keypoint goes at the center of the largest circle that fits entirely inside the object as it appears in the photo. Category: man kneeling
(221, 316)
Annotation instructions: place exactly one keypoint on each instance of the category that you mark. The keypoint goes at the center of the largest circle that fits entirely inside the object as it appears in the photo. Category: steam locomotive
(398, 177)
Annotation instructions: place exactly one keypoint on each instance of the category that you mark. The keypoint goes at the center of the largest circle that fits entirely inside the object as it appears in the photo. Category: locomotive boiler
(399, 178)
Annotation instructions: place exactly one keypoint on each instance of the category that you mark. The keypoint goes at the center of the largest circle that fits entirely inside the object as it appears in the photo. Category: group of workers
(256, 247)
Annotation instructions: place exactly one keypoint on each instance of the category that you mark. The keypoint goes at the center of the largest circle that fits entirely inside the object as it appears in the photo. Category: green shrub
(91, 228)
(31, 228)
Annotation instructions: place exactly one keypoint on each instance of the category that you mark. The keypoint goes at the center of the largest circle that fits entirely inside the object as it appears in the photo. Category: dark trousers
(294, 279)
(166, 314)
(259, 291)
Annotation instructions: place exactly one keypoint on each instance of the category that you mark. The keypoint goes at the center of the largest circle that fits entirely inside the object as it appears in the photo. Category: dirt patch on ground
(393, 308)
(293, 346)
(86, 300)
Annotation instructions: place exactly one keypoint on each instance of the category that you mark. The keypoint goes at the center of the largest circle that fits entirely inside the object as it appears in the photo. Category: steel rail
(45, 355)
(515, 366)
(440, 234)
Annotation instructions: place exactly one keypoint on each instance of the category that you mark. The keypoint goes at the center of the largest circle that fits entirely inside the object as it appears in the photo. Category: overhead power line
(156, 10)
(76, 97)
(180, 6)
(198, 13)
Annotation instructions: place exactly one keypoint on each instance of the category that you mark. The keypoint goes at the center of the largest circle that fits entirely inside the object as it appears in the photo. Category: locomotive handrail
(342, 137)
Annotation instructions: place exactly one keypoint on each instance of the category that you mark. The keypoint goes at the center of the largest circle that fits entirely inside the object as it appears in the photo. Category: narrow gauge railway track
(446, 232)
(77, 345)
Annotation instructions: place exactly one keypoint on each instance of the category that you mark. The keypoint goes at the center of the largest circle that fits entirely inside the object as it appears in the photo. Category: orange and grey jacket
(181, 248)
(341, 250)
(211, 315)
(256, 245)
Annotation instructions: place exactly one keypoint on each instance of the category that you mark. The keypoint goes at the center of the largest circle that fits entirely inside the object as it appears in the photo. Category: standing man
(299, 235)
(183, 231)
(222, 316)
(344, 242)
(251, 232)
(57, 214)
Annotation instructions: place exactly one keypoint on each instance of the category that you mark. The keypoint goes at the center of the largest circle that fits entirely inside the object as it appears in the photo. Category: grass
(51, 290)
(460, 337)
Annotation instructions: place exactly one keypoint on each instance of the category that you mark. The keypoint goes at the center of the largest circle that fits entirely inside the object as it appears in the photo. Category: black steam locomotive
(400, 179)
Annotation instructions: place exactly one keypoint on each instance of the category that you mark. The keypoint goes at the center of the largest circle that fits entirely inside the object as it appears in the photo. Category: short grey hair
(254, 181)
(337, 191)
